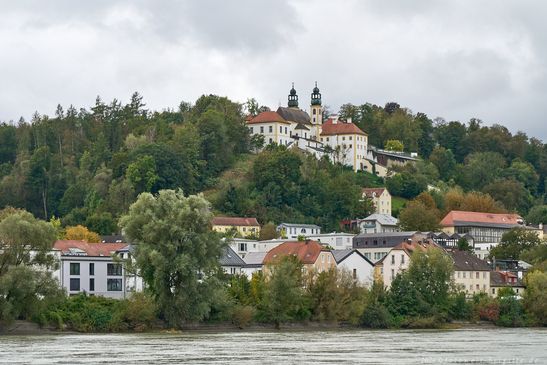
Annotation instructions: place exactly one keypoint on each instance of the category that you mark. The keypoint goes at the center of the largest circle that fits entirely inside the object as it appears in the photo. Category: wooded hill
(87, 166)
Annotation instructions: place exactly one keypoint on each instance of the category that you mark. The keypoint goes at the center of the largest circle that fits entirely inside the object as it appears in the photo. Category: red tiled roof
(249, 117)
(90, 249)
(306, 251)
(340, 127)
(370, 191)
(455, 216)
(410, 247)
(267, 117)
(234, 221)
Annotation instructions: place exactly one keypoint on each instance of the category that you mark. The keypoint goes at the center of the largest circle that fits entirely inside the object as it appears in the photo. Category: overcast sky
(450, 59)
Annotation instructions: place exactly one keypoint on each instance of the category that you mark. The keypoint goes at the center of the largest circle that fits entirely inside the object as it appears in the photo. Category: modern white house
(291, 231)
(360, 268)
(93, 269)
(244, 246)
(379, 223)
(336, 240)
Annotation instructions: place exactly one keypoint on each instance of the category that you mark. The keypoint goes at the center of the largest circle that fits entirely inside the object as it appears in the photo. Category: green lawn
(397, 203)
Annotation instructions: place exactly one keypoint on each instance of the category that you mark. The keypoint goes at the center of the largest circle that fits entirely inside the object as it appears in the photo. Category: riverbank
(27, 328)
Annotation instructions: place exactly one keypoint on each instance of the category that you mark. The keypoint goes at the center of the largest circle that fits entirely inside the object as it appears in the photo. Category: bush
(376, 315)
(242, 315)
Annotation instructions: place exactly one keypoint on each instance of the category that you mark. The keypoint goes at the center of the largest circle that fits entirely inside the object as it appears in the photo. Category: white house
(244, 246)
(336, 240)
(254, 262)
(91, 268)
(291, 231)
(230, 261)
(379, 223)
(360, 268)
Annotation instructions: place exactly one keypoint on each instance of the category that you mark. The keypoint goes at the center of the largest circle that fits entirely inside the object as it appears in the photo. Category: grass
(397, 203)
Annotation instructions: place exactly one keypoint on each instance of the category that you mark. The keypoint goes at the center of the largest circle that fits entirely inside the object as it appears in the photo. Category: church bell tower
(316, 111)
(293, 98)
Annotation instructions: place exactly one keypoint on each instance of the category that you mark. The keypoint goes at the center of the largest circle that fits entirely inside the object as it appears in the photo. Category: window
(464, 274)
(478, 287)
(91, 268)
(114, 270)
(91, 284)
(493, 290)
(327, 139)
(114, 284)
(271, 140)
(75, 270)
(355, 273)
(375, 243)
(393, 259)
(270, 129)
(251, 130)
(402, 259)
(285, 130)
(343, 138)
(484, 275)
(74, 284)
(350, 138)
(477, 275)
(392, 273)
(242, 247)
(280, 129)
(262, 130)
(314, 111)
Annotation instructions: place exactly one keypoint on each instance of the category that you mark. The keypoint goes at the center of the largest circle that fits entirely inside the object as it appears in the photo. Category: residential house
(398, 259)
(312, 254)
(336, 240)
(91, 268)
(272, 126)
(254, 262)
(243, 226)
(243, 246)
(294, 230)
(381, 198)
(377, 245)
(354, 262)
(505, 279)
(230, 261)
(379, 223)
(485, 228)
(471, 274)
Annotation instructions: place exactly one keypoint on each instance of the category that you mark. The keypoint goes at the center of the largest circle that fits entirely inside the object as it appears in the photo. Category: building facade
(379, 223)
(381, 199)
(292, 231)
(313, 255)
(471, 274)
(336, 240)
(243, 226)
(356, 264)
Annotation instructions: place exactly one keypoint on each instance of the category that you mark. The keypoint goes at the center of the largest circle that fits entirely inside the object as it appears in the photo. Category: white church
(342, 140)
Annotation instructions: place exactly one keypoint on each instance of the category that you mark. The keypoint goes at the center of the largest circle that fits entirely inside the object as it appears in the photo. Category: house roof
(115, 238)
(82, 248)
(395, 154)
(341, 255)
(254, 259)
(372, 192)
(307, 251)
(391, 239)
(410, 247)
(301, 126)
(466, 261)
(304, 225)
(228, 257)
(332, 127)
(383, 219)
(500, 278)
(234, 221)
(460, 218)
(267, 117)
(293, 115)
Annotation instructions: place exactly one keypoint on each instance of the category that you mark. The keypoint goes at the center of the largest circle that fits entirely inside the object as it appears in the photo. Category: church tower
(316, 112)
(293, 98)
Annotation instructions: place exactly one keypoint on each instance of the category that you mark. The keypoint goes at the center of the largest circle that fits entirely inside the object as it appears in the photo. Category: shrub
(376, 315)
(242, 315)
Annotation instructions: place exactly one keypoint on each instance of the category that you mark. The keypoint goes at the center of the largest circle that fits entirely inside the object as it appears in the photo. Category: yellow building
(471, 274)
(243, 226)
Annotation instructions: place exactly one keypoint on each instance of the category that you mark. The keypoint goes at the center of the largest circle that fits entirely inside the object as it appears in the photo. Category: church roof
(267, 117)
(293, 115)
(333, 127)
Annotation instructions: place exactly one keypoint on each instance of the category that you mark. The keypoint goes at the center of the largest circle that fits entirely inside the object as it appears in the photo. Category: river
(463, 346)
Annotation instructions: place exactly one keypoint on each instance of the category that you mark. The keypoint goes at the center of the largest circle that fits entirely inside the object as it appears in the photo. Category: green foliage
(514, 242)
(177, 253)
(463, 245)
(417, 217)
(406, 184)
(394, 145)
(537, 215)
(535, 296)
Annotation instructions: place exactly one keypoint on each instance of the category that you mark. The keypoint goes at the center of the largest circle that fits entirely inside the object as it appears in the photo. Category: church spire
(293, 98)
(316, 96)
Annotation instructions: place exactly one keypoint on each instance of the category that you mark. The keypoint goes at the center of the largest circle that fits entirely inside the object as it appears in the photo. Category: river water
(464, 346)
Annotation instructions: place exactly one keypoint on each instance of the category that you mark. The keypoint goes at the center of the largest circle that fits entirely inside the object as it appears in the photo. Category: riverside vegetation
(75, 175)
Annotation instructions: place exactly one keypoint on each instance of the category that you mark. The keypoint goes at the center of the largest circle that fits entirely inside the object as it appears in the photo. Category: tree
(177, 252)
(480, 169)
(514, 242)
(535, 296)
(24, 240)
(284, 294)
(511, 193)
(142, 174)
(268, 232)
(417, 217)
(463, 245)
(394, 145)
(81, 233)
(406, 184)
(537, 215)
(445, 162)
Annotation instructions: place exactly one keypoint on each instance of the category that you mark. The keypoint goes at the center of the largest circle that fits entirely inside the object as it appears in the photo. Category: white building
(379, 223)
(244, 246)
(381, 199)
(336, 240)
(230, 261)
(291, 231)
(360, 268)
(347, 143)
(91, 268)
(254, 262)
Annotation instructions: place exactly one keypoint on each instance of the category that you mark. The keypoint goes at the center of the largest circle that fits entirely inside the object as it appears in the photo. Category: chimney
(348, 120)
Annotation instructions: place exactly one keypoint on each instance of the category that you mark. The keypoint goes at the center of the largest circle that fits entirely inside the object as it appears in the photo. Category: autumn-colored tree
(81, 233)
(417, 217)
(456, 199)
(268, 231)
